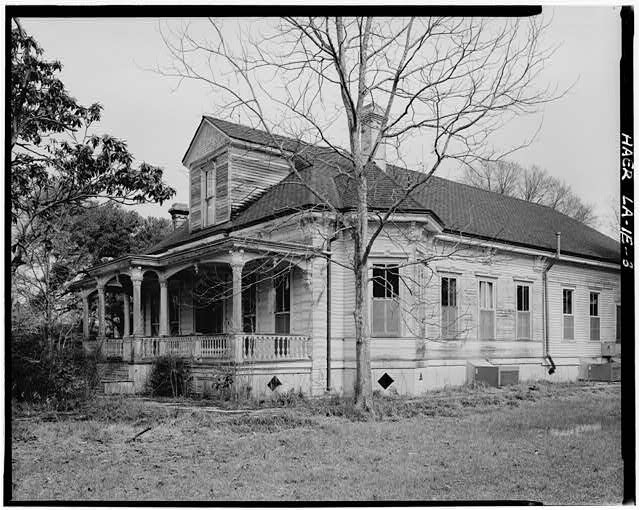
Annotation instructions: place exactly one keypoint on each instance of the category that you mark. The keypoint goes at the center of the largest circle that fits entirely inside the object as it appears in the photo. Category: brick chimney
(179, 214)
(372, 116)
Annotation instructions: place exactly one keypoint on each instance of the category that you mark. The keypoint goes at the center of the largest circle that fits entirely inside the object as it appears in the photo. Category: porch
(233, 301)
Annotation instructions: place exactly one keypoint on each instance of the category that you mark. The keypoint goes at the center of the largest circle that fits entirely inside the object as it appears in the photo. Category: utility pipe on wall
(545, 310)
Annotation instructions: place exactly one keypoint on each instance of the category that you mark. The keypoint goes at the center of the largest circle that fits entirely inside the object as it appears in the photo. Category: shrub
(59, 378)
(170, 377)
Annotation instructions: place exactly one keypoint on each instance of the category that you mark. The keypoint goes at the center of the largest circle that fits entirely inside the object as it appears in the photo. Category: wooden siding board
(222, 192)
(253, 173)
(195, 213)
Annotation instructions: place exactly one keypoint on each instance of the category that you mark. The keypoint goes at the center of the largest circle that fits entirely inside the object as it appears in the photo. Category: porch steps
(114, 376)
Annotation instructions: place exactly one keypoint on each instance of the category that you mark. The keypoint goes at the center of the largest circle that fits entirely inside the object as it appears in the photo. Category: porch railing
(114, 348)
(197, 346)
(260, 347)
(242, 347)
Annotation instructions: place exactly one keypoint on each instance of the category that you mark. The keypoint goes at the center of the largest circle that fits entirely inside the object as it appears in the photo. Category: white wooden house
(255, 277)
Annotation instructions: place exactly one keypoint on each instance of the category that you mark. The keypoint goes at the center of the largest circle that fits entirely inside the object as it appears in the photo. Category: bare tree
(498, 176)
(449, 83)
(533, 184)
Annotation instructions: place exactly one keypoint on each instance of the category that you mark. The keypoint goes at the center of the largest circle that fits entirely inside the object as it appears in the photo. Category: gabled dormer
(227, 170)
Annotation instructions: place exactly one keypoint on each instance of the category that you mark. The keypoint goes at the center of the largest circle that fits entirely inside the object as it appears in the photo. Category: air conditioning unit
(609, 349)
(508, 375)
(607, 372)
(482, 371)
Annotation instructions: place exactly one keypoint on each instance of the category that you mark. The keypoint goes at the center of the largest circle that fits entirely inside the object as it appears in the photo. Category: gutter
(545, 310)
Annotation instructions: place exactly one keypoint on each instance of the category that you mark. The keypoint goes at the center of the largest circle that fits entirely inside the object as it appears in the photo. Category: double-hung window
(567, 314)
(283, 302)
(594, 317)
(449, 307)
(487, 306)
(385, 307)
(209, 195)
(249, 293)
(523, 312)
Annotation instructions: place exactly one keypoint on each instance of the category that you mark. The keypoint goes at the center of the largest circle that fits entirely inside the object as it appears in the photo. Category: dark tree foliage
(56, 162)
(109, 231)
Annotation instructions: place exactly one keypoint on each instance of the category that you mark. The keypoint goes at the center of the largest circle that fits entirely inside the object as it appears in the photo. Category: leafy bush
(220, 387)
(59, 378)
(170, 377)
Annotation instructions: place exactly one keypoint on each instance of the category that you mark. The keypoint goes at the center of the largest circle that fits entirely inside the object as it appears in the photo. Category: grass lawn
(557, 444)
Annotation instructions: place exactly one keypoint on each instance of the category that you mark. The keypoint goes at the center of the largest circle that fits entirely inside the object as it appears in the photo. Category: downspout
(329, 255)
(545, 310)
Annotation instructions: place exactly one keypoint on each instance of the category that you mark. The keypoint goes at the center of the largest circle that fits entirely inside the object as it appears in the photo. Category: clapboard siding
(195, 200)
(222, 189)
(206, 141)
(252, 173)
(582, 281)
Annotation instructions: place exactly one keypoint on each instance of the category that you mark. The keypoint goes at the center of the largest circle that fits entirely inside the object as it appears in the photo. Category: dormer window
(210, 194)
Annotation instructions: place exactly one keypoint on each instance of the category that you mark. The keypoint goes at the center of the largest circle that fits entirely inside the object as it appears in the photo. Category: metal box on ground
(482, 371)
(508, 375)
(607, 372)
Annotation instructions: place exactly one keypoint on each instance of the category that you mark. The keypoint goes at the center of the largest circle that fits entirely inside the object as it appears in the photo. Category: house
(465, 284)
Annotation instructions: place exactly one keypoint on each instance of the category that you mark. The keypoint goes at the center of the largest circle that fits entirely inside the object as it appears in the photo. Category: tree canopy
(57, 162)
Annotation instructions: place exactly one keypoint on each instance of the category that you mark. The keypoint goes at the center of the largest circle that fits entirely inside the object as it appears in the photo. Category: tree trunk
(363, 389)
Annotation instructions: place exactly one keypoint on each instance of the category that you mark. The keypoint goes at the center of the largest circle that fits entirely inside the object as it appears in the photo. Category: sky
(111, 61)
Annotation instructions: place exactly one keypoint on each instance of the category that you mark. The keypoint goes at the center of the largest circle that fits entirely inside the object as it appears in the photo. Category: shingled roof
(460, 208)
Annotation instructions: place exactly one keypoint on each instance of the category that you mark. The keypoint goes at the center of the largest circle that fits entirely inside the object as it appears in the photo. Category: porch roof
(221, 248)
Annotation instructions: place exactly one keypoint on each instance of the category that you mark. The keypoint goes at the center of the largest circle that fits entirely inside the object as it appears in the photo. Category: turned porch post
(136, 279)
(85, 315)
(237, 263)
(101, 311)
(163, 329)
(127, 326)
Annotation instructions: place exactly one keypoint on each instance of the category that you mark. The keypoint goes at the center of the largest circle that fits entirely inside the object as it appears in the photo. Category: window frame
(529, 310)
(455, 306)
(597, 316)
(209, 195)
(566, 315)
(492, 282)
(391, 298)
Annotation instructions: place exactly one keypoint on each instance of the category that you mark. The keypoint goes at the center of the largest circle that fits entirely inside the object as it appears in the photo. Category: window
(249, 292)
(385, 307)
(567, 314)
(209, 195)
(618, 324)
(449, 307)
(523, 312)
(283, 302)
(594, 317)
(487, 311)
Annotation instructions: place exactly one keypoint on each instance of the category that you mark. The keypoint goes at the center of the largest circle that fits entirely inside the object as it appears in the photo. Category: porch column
(85, 315)
(101, 311)
(237, 263)
(163, 329)
(127, 326)
(136, 279)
